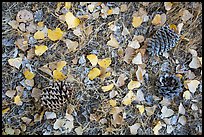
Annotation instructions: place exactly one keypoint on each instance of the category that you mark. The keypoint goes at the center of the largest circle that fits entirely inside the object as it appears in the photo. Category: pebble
(38, 15)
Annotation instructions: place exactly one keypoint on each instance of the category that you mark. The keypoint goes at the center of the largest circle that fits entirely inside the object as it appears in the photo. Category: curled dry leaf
(157, 19)
(24, 16)
(39, 35)
(10, 93)
(134, 44)
(36, 93)
(134, 128)
(139, 74)
(17, 100)
(187, 95)
(39, 50)
(128, 54)
(179, 27)
(193, 85)
(129, 97)
(26, 120)
(166, 112)
(55, 35)
(71, 20)
(95, 72)
(22, 44)
(137, 59)
(15, 62)
(30, 53)
(133, 84)
(182, 120)
(50, 115)
(113, 42)
(168, 5)
(113, 93)
(141, 108)
(104, 63)
(93, 59)
(59, 123)
(71, 45)
(121, 80)
(108, 87)
(181, 109)
(186, 15)
(195, 63)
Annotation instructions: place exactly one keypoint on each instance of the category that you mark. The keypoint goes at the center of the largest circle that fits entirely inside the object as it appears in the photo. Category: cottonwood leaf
(157, 19)
(104, 63)
(15, 62)
(168, 5)
(58, 75)
(93, 59)
(55, 35)
(71, 20)
(60, 65)
(59, 123)
(166, 112)
(17, 100)
(39, 50)
(50, 115)
(137, 59)
(133, 84)
(95, 72)
(39, 35)
(193, 85)
(136, 21)
(28, 75)
(134, 128)
(113, 42)
(10, 93)
(108, 87)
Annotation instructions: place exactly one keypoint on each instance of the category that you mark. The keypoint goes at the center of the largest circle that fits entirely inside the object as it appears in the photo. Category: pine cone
(162, 41)
(169, 85)
(56, 96)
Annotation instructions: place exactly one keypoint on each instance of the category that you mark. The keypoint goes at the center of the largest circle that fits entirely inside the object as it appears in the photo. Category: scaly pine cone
(56, 96)
(162, 41)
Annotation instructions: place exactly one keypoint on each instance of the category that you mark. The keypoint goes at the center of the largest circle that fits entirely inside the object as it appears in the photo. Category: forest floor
(101, 47)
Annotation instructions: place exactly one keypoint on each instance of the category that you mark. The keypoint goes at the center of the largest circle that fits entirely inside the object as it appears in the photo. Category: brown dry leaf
(117, 119)
(163, 19)
(59, 123)
(136, 21)
(10, 93)
(181, 109)
(150, 110)
(134, 44)
(133, 84)
(28, 75)
(129, 97)
(24, 16)
(168, 5)
(165, 102)
(31, 28)
(79, 130)
(22, 27)
(113, 42)
(46, 69)
(157, 128)
(50, 115)
(30, 53)
(93, 59)
(187, 95)
(140, 95)
(26, 120)
(107, 88)
(71, 45)
(113, 93)
(29, 82)
(169, 129)
(39, 35)
(141, 108)
(179, 27)
(5, 110)
(193, 85)
(88, 30)
(137, 59)
(121, 80)
(195, 63)
(134, 128)
(9, 131)
(139, 38)
(95, 72)
(17, 100)
(58, 75)
(166, 112)
(157, 19)
(186, 15)
(71, 20)
(123, 8)
(113, 102)
(22, 44)
(139, 74)
(128, 54)
(182, 120)
(39, 50)
(38, 117)
(14, 24)
(60, 65)
(104, 63)
(194, 107)
(36, 93)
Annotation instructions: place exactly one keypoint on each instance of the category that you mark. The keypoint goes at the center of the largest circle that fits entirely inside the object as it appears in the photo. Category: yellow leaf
(168, 5)
(105, 75)
(71, 20)
(136, 21)
(157, 19)
(95, 72)
(129, 97)
(54, 35)
(110, 11)
(39, 35)
(39, 50)
(112, 102)
(28, 75)
(16, 62)
(157, 128)
(60, 65)
(104, 63)
(93, 59)
(173, 27)
(68, 5)
(5, 110)
(41, 24)
(141, 108)
(17, 100)
(58, 75)
(108, 87)
(133, 84)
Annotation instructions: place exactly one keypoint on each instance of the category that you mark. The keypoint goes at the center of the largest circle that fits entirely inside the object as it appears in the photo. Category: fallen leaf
(174, 27)
(139, 74)
(136, 21)
(186, 15)
(71, 45)
(29, 82)
(112, 102)
(137, 59)
(128, 54)
(140, 95)
(58, 75)
(193, 85)
(113, 42)
(14, 24)
(123, 8)
(67, 5)
(22, 44)
(26, 120)
(95, 72)
(133, 84)
(179, 27)
(169, 129)
(50, 115)
(129, 97)
(79, 130)
(181, 109)
(39, 50)
(28, 75)
(17, 100)
(163, 19)
(71, 20)
(22, 27)
(195, 63)
(121, 80)
(194, 107)
(134, 128)
(60, 65)
(41, 24)
(182, 120)
(104, 63)
(15, 62)
(38, 117)
(141, 108)
(59, 123)
(39, 35)
(9, 131)
(46, 70)
(36, 93)
(10, 93)
(24, 16)
(165, 102)
(168, 5)
(5, 111)
(113, 93)
(56, 34)
(108, 87)
(187, 95)
(134, 44)
(157, 128)
(91, 6)
(157, 19)
(93, 59)
(150, 110)
(166, 112)
(30, 53)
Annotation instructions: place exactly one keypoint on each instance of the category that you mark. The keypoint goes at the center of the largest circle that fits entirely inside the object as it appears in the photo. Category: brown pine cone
(56, 96)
